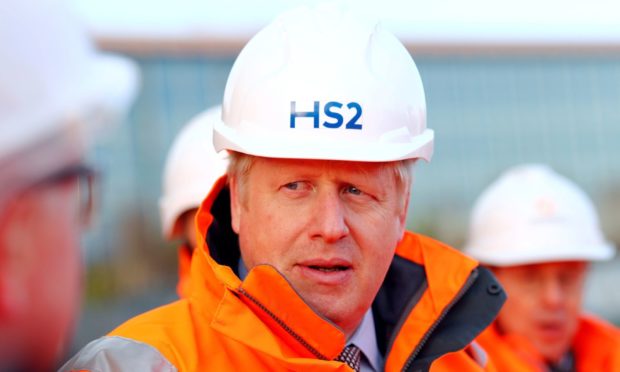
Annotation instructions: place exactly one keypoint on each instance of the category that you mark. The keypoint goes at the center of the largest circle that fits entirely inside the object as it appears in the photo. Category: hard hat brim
(534, 255)
(273, 146)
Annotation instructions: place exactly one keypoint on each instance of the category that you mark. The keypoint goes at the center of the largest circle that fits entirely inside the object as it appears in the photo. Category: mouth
(551, 330)
(329, 269)
(327, 272)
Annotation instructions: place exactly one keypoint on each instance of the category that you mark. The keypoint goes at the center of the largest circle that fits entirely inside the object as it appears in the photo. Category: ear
(402, 217)
(235, 204)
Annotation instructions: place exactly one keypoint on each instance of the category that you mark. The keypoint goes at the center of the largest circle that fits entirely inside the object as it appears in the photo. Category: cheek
(377, 244)
(514, 316)
(391, 220)
(574, 304)
(519, 310)
(260, 237)
(52, 274)
(59, 292)
(378, 266)
(379, 251)
(60, 264)
(377, 234)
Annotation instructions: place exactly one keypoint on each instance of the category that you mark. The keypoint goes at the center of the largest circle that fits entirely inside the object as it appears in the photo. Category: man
(192, 167)
(303, 262)
(538, 232)
(54, 90)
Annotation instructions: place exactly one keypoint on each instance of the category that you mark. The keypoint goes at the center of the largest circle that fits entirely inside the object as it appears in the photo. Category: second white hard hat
(52, 77)
(531, 214)
(319, 83)
(191, 169)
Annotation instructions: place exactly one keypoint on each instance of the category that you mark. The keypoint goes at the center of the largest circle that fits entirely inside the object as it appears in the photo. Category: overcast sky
(449, 21)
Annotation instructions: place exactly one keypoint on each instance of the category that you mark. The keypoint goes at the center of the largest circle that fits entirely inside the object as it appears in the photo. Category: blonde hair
(240, 164)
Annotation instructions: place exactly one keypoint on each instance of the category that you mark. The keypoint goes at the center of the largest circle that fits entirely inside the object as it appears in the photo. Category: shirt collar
(242, 270)
(365, 338)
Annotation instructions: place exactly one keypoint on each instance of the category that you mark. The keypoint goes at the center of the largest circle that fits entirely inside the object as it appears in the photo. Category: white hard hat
(533, 215)
(322, 84)
(51, 76)
(191, 169)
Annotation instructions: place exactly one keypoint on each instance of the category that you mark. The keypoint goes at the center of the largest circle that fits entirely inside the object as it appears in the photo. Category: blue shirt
(365, 338)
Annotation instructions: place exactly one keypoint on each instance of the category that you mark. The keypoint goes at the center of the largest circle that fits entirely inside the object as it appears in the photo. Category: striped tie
(352, 356)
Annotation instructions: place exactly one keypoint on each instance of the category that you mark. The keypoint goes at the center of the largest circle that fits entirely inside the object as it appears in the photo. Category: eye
(292, 185)
(353, 190)
(296, 187)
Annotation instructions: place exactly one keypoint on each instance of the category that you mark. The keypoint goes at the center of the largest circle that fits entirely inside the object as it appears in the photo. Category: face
(544, 303)
(40, 273)
(330, 228)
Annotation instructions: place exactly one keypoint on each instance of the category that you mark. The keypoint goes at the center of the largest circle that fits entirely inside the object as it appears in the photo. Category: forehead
(317, 168)
(545, 268)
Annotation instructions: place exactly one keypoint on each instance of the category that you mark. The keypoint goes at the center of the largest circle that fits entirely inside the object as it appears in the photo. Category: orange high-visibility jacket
(433, 303)
(596, 347)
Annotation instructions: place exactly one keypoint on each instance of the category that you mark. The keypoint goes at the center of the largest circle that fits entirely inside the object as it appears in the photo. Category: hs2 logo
(333, 110)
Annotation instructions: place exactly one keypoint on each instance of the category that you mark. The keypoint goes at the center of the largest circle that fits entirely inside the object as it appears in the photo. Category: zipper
(283, 325)
(470, 280)
(410, 305)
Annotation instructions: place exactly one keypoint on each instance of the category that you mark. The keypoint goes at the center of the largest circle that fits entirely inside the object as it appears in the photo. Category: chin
(554, 353)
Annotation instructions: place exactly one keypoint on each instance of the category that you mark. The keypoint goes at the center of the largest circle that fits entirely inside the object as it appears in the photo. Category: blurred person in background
(324, 115)
(192, 168)
(56, 91)
(538, 232)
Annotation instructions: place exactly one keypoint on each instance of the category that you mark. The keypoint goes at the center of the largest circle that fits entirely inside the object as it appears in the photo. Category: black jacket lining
(222, 241)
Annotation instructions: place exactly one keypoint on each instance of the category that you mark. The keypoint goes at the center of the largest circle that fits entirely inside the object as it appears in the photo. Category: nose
(329, 222)
(552, 293)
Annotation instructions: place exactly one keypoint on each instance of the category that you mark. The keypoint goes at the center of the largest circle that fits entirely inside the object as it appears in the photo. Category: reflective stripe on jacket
(596, 347)
(434, 301)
